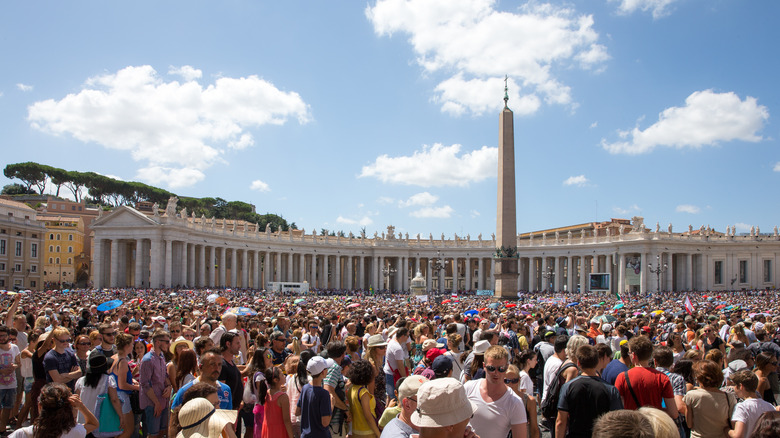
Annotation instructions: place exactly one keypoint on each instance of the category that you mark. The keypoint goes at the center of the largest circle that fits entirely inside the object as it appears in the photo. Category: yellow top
(360, 425)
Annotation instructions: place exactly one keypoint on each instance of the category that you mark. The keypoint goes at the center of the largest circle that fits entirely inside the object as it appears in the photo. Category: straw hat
(481, 347)
(199, 419)
(376, 341)
(180, 340)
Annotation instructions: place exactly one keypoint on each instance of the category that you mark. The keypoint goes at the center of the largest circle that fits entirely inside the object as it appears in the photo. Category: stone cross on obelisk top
(506, 218)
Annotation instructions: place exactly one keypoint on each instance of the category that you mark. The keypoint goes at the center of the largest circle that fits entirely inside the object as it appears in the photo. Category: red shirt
(649, 385)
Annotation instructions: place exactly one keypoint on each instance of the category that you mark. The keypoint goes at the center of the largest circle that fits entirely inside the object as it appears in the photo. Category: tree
(31, 174)
(16, 189)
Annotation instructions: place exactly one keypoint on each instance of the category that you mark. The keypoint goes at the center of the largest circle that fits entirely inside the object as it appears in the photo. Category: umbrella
(109, 305)
(299, 301)
(597, 305)
(510, 305)
(471, 312)
(446, 301)
(722, 306)
(609, 318)
(527, 306)
(222, 301)
(211, 298)
(657, 312)
(572, 304)
(637, 313)
(602, 303)
(494, 305)
(353, 305)
(241, 311)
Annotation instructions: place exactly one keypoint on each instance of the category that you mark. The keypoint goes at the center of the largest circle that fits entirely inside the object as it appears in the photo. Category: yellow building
(63, 245)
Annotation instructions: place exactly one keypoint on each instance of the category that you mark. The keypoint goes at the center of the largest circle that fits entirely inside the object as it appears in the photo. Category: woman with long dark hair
(97, 381)
(56, 418)
(186, 368)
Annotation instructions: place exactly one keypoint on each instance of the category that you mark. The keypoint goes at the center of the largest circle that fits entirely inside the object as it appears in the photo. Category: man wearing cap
(499, 409)
(402, 426)
(311, 339)
(442, 367)
(443, 410)
(314, 405)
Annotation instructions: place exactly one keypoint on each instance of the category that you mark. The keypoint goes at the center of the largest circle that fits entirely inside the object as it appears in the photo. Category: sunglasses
(512, 381)
(491, 368)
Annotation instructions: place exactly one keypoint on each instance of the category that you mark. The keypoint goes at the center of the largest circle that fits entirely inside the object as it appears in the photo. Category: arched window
(51, 248)
(58, 248)
(70, 249)
(70, 261)
(58, 236)
(70, 237)
(51, 260)
(51, 236)
(57, 260)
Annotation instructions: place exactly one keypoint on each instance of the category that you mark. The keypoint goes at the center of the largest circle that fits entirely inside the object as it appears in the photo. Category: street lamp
(387, 271)
(657, 271)
(439, 266)
(549, 275)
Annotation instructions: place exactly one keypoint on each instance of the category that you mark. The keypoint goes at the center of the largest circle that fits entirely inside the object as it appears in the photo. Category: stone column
(689, 271)
(244, 269)
(302, 267)
(416, 266)
(467, 266)
(98, 265)
(290, 265)
(584, 264)
(545, 280)
(558, 273)
(442, 275)
(428, 276)
(278, 267)
(221, 262)
(455, 274)
(211, 259)
(201, 274)
(139, 266)
(114, 272)
(361, 272)
(337, 271)
(570, 273)
(493, 276)
(233, 254)
(643, 273)
(156, 253)
(168, 262)
(621, 287)
(481, 272)
(405, 265)
(314, 270)
(325, 268)
(609, 270)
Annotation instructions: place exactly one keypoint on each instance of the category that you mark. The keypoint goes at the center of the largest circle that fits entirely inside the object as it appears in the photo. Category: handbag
(107, 417)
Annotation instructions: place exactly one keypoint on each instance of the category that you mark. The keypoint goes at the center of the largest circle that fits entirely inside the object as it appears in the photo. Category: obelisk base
(506, 278)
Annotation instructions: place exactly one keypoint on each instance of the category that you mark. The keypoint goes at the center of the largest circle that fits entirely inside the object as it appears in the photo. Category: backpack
(550, 403)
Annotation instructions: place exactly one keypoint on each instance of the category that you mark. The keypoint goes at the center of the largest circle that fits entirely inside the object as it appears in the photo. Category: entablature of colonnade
(127, 223)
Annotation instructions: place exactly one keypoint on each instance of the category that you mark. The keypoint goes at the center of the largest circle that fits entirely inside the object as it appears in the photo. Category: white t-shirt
(494, 419)
(77, 431)
(89, 395)
(748, 412)
(7, 357)
(550, 368)
(394, 353)
(526, 383)
(308, 338)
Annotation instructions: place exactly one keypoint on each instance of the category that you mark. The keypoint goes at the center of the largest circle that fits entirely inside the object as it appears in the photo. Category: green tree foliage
(16, 189)
(110, 192)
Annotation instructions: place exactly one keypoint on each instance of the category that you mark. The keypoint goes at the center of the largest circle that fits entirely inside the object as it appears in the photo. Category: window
(51, 248)
(743, 271)
(51, 236)
(2, 247)
(70, 249)
(18, 249)
(70, 261)
(32, 283)
(59, 236)
(2, 267)
(70, 237)
(34, 250)
(34, 236)
(51, 260)
(33, 268)
(58, 248)
(57, 260)
(767, 271)
(2, 283)
(73, 207)
(719, 272)
(18, 267)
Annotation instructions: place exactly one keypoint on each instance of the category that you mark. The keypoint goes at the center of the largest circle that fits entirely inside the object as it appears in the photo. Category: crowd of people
(242, 363)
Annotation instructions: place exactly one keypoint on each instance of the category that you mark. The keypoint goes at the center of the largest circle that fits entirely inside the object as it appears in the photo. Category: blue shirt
(612, 370)
(315, 404)
(225, 396)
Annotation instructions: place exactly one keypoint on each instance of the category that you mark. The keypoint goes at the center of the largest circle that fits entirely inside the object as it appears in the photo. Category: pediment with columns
(124, 216)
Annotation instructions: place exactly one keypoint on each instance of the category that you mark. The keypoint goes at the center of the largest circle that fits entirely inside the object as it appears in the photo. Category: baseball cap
(316, 365)
(410, 386)
(442, 402)
(441, 366)
(606, 328)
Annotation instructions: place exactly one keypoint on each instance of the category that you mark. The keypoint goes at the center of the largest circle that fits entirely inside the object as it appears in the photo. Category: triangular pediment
(124, 217)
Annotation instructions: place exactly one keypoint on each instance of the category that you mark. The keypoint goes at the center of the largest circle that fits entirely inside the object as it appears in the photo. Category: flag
(688, 305)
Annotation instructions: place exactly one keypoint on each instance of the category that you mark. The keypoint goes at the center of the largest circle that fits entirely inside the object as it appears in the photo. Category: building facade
(63, 244)
(21, 247)
(133, 249)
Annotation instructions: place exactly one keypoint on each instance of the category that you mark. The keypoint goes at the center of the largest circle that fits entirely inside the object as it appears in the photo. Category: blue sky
(342, 115)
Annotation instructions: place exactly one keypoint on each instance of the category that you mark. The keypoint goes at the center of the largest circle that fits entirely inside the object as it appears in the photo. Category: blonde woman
(738, 335)
(375, 354)
(295, 345)
(512, 380)
(124, 378)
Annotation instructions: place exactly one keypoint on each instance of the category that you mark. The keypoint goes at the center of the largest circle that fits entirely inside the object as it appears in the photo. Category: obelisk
(506, 218)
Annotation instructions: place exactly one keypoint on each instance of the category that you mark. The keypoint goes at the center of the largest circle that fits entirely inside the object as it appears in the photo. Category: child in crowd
(314, 403)
(747, 412)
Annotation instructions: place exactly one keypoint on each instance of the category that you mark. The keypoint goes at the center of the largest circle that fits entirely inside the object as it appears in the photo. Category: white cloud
(658, 7)
(477, 45)
(594, 125)
(176, 130)
(475, 214)
(24, 87)
(706, 119)
(364, 221)
(188, 73)
(579, 180)
(384, 200)
(436, 166)
(742, 227)
(260, 186)
(777, 167)
(424, 199)
(625, 211)
(686, 208)
(433, 212)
